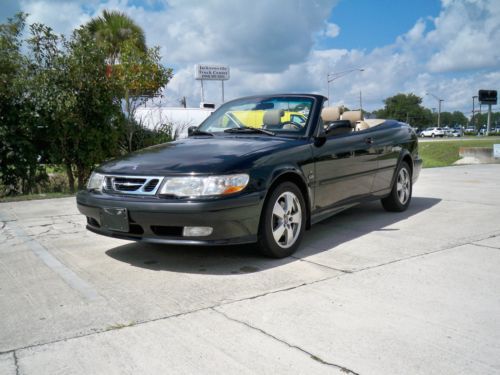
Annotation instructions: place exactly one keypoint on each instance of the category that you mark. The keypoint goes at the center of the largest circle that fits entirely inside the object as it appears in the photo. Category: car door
(345, 165)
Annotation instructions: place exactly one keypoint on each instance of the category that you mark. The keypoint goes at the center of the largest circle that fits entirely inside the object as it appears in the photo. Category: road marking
(70, 277)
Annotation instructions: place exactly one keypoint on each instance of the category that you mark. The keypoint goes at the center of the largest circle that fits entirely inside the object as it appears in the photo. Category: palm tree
(113, 29)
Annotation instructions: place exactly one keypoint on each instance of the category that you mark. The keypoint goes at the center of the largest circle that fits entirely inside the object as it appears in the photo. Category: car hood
(199, 155)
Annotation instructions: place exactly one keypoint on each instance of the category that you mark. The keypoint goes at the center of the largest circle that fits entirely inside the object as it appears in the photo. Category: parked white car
(432, 132)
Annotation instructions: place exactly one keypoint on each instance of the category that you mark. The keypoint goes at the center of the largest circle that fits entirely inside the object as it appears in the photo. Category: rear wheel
(283, 221)
(400, 196)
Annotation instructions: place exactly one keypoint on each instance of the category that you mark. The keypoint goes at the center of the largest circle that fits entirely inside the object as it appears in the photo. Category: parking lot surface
(368, 292)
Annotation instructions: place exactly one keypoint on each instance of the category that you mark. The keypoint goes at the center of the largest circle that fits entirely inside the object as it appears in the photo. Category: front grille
(151, 185)
(136, 185)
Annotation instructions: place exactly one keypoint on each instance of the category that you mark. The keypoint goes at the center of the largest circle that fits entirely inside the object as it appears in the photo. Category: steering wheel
(291, 125)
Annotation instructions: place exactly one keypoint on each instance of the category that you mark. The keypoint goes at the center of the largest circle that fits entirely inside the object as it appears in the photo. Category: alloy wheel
(286, 219)
(403, 185)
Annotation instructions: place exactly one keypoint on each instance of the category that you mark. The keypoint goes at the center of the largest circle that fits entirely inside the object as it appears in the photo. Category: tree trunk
(81, 173)
(71, 178)
(129, 121)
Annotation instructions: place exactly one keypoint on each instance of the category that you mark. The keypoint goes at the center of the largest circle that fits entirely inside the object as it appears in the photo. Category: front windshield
(278, 114)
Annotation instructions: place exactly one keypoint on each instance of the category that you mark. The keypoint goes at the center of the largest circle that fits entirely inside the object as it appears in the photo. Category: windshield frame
(310, 124)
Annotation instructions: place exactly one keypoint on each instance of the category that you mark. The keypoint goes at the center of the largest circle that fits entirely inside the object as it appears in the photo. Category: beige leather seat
(330, 114)
(354, 117)
(272, 118)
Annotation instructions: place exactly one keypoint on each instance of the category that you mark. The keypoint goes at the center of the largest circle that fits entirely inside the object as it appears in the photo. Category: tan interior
(330, 114)
(352, 116)
(273, 117)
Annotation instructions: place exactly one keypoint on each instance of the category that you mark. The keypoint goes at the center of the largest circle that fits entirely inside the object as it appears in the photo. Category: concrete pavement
(369, 292)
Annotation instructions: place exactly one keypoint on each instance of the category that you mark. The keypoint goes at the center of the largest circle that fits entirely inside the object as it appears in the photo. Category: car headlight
(96, 181)
(203, 186)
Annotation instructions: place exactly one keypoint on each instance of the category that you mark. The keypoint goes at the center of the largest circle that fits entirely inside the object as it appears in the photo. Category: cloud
(466, 36)
(332, 30)
(272, 46)
(62, 16)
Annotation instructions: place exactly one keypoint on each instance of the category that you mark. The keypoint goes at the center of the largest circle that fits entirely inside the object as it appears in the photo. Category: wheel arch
(404, 156)
(294, 176)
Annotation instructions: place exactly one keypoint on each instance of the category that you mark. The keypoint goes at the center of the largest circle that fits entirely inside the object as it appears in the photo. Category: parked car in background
(232, 183)
(447, 131)
(456, 133)
(432, 132)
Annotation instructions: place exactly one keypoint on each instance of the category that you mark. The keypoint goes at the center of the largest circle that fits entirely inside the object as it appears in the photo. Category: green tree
(452, 119)
(76, 101)
(112, 30)
(406, 107)
(482, 119)
(135, 67)
(140, 76)
(20, 137)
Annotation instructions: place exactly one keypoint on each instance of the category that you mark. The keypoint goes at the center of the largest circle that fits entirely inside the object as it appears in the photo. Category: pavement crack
(140, 322)
(16, 362)
(292, 346)
(321, 265)
(481, 245)
(453, 246)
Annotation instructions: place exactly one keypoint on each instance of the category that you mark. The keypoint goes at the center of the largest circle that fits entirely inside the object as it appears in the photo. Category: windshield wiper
(200, 132)
(247, 129)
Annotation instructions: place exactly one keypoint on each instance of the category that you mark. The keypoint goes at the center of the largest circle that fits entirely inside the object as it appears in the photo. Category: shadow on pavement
(242, 259)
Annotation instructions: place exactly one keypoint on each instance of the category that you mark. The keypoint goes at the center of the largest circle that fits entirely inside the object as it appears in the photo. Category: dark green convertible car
(232, 182)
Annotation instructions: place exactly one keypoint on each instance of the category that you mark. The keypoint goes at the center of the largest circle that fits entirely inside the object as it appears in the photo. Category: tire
(399, 198)
(282, 222)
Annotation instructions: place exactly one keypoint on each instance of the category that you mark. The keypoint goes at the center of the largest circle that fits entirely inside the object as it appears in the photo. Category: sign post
(488, 97)
(209, 72)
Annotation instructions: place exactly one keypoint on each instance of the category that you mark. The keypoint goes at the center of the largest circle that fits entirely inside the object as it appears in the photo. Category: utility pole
(439, 107)
(439, 113)
(330, 77)
(361, 103)
(488, 124)
(473, 110)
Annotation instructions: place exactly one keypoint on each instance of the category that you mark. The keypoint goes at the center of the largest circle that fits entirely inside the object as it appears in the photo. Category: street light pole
(439, 113)
(330, 77)
(473, 110)
(439, 107)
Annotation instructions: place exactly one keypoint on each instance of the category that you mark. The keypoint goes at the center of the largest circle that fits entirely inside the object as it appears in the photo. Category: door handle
(369, 140)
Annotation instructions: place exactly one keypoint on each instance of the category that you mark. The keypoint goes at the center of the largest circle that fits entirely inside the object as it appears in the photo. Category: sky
(447, 48)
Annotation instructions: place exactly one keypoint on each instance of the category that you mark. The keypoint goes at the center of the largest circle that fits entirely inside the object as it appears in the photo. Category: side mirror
(191, 130)
(320, 139)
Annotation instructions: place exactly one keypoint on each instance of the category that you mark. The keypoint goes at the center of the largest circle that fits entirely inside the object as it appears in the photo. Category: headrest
(273, 117)
(330, 114)
(352, 116)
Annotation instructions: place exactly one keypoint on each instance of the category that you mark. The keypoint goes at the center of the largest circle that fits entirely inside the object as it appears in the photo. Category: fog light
(197, 231)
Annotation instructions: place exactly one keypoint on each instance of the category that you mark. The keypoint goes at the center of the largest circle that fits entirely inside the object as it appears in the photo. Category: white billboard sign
(211, 72)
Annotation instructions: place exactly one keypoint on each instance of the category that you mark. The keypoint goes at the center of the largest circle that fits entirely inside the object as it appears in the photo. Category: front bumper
(234, 220)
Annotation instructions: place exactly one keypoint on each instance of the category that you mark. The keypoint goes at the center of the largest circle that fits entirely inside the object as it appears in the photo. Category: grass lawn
(31, 197)
(442, 154)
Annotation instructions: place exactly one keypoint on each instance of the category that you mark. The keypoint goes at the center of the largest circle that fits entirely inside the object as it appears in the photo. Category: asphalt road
(369, 292)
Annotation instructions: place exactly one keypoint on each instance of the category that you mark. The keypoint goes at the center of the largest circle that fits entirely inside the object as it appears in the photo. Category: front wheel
(283, 221)
(400, 196)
